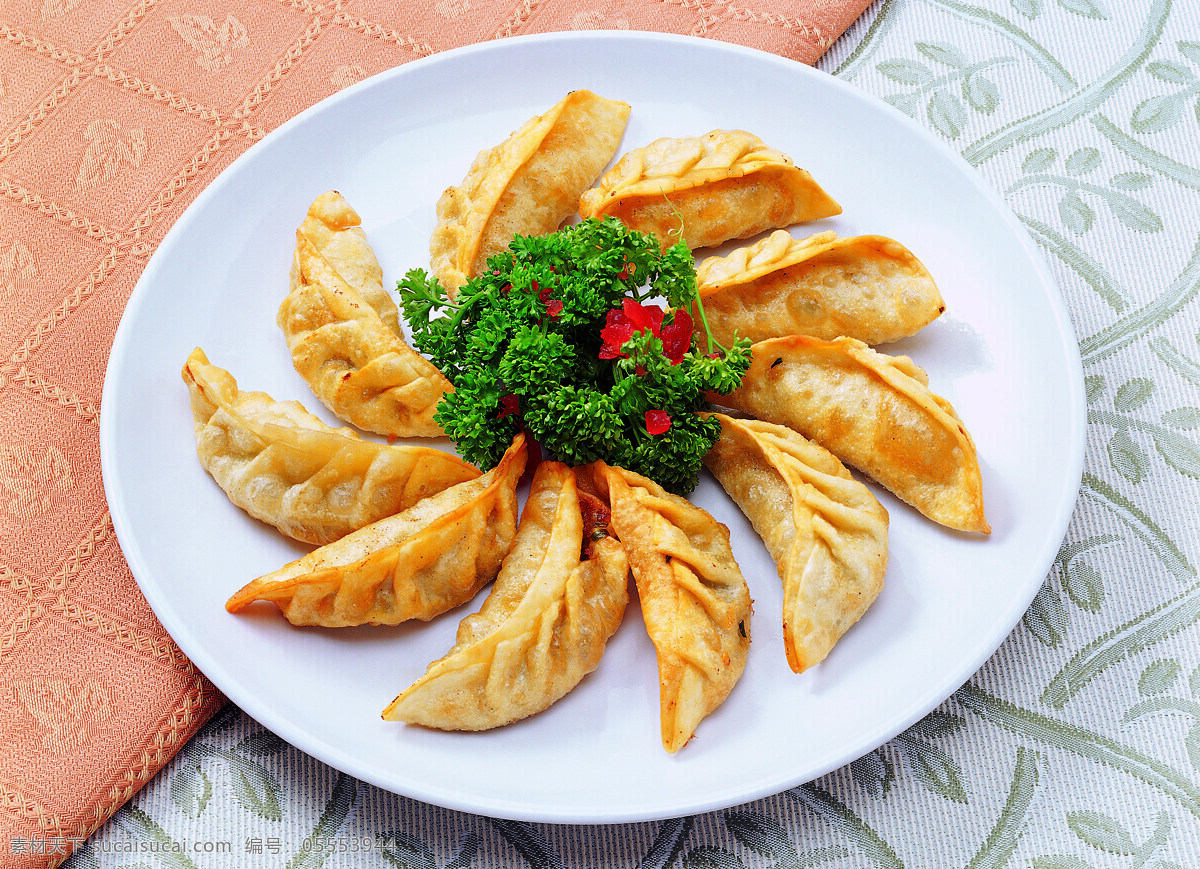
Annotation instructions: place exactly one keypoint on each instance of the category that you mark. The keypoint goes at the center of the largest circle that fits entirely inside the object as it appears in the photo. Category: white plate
(1004, 354)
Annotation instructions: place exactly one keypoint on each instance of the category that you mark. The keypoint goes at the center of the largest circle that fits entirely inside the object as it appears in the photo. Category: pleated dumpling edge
(343, 335)
(416, 564)
(560, 594)
(694, 599)
(876, 413)
(826, 531)
(284, 466)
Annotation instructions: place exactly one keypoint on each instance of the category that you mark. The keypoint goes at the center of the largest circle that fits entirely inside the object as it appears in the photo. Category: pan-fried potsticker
(559, 596)
(866, 287)
(416, 564)
(706, 190)
(527, 185)
(694, 600)
(825, 530)
(343, 333)
(286, 467)
(874, 412)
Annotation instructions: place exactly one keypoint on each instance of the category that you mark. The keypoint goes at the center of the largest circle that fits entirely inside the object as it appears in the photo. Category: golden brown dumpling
(866, 287)
(560, 595)
(336, 232)
(345, 342)
(874, 412)
(527, 185)
(694, 599)
(724, 185)
(284, 466)
(825, 530)
(414, 565)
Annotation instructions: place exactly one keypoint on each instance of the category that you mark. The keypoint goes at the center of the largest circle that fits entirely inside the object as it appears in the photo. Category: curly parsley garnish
(561, 336)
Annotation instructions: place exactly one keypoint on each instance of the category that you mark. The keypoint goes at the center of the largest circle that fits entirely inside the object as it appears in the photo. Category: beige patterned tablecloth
(1076, 745)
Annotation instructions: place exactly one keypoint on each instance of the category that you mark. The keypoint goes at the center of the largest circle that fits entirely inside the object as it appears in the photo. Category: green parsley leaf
(526, 334)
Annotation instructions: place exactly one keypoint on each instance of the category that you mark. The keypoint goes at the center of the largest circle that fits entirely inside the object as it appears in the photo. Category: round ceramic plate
(1004, 355)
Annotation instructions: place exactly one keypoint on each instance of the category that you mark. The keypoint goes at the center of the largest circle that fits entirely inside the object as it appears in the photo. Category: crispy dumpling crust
(726, 184)
(825, 530)
(335, 230)
(694, 600)
(286, 467)
(345, 342)
(414, 565)
(867, 287)
(527, 185)
(874, 412)
(543, 626)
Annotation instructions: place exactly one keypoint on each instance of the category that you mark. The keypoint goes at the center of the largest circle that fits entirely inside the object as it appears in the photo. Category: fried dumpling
(286, 467)
(414, 565)
(694, 599)
(874, 412)
(343, 333)
(825, 530)
(560, 595)
(335, 230)
(724, 185)
(527, 185)
(867, 287)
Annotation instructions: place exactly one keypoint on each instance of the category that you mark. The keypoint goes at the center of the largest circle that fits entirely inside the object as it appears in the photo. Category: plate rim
(456, 800)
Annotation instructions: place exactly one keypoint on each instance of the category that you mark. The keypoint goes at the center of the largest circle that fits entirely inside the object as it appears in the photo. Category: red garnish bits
(624, 322)
(631, 318)
(657, 421)
(677, 337)
(508, 405)
(617, 330)
(553, 306)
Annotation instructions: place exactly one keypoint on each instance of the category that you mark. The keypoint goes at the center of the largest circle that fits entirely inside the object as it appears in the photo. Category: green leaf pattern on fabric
(1098, 154)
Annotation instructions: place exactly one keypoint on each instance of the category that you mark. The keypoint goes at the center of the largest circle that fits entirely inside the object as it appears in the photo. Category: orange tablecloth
(113, 116)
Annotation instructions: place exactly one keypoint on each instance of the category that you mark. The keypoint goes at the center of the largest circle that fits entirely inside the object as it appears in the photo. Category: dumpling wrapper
(874, 412)
(527, 185)
(544, 624)
(335, 230)
(343, 333)
(694, 600)
(417, 564)
(724, 185)
(825, 530)
(286, 467)
(867, 287)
